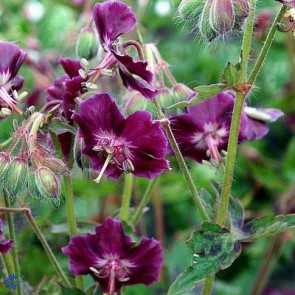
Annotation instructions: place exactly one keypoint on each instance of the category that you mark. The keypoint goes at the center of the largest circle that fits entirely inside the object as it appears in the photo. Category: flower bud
(134, 101)
(204, 25)
(182, 92)
(47, 183)
(222, 17)
(87, 44)
(165, 97)
(190, 9)
(15, 178)
(241, 9)
(55, 165)
(32, 187)
(4, 162)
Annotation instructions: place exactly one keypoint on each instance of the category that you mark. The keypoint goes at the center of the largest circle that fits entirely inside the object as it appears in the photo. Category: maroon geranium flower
(5, 245)
(203, 132)
(115, 144)
(112, 259)
(64, 91)
(12, 57)
(113, 19)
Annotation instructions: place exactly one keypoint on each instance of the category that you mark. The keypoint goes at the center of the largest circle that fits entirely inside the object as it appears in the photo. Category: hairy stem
(182, 164)
(14, 249)
(267, 44)
(126, 198)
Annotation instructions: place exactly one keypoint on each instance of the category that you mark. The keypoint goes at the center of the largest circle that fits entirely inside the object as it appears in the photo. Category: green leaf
(58, 126)
(230, 75)
(214, 249)
(236, 214)
(266, 226)
(204, 92)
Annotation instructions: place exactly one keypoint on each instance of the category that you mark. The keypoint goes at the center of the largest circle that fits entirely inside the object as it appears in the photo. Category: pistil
(103, 169)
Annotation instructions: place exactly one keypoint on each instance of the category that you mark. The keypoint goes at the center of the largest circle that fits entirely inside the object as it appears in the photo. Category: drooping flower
(116, 144)
(112, 259)
(204, 131)
(5, 245)
(12, 57)
(64, 91)
(113, 19)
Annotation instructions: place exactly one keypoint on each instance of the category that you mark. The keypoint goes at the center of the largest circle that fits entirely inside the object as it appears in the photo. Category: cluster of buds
(214, 18)
(25, 163)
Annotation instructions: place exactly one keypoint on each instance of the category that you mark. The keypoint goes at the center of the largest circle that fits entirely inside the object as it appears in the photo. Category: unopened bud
(165, 97)
(15, 178)
(47, 183)
(222, 17)
(55, 165)
(32, 187)
(183, 92)
(204, 25)
(190, 9)
(241, 9)
(4, 162)
(134, 101)
(87, 44)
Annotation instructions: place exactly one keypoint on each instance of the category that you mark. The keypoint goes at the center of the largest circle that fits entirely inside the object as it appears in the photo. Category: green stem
(14, 249)
(266, 46)
(41, 238)
(8, 261)
(144, 201)
(126, 198)
(71, 218)
(182, 164)
(246, 43)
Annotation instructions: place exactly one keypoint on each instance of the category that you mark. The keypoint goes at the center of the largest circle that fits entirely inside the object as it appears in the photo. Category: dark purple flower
(203, 132)
(12, 57)
(112, 258)
(113, 19)
(64, 91)
(5, 245)
(115, 144)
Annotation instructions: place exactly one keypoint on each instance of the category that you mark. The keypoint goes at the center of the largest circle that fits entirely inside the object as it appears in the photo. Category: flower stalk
(126, 198)
(182, 164)
(14, 249)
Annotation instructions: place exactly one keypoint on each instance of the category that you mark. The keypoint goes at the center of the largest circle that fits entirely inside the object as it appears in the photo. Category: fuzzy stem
(126, 198)
(8, 261)
(71, 218)
(14, 249)
(144, 201)
(195, 194)
(41, 238)
(266, 46)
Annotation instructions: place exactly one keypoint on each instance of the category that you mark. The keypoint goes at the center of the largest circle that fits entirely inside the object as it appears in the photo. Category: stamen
(112, 282)
(127, 166)
(103, 169)
(95, 271)
(9, 100)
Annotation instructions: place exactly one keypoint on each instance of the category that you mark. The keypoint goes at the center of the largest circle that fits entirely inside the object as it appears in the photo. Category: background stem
(126, 198)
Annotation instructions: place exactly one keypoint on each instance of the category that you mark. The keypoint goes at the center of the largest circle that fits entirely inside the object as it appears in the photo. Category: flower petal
(70, 66)
(12, 57)
(148, 260)
(138, 67)
(6, 245)
(256, 129)
(130, 82)
(80, 257)
(112, 19)
(98, 113)
(109, 238)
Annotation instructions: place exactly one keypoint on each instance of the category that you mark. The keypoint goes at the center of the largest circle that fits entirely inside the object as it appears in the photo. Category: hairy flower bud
(241, 9)
(4, 162)
(183, 92)
(32, 187)
(134, 101)
(190, 9)
(204, 25)
(47, 183)
(55, 165)
(15, 178)
(87, 43)
(222, 17)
